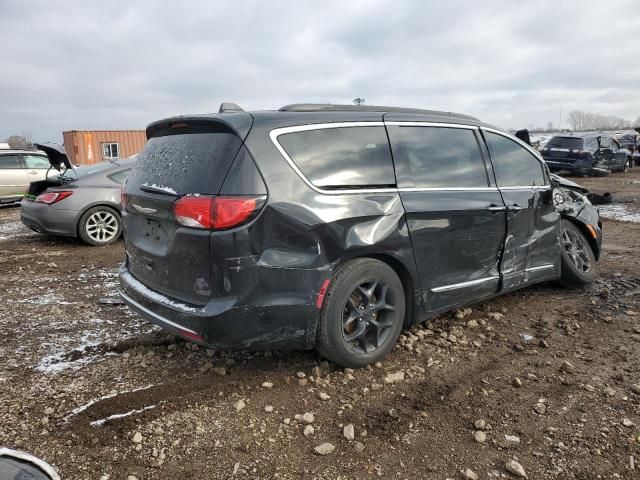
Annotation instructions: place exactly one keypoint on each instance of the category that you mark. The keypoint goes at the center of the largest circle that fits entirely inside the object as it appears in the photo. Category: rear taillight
(216, 213)
(52, 197)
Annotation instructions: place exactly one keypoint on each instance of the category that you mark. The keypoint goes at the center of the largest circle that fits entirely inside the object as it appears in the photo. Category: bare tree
(580, 120)
(358, 101)
(20, 142)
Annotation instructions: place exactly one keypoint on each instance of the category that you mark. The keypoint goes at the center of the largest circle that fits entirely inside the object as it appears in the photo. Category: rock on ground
(324, 448)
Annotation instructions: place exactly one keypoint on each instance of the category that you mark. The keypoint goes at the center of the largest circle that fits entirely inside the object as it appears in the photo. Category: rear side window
(342, 157)
(513, 165)
(437, 157)
(36, 161)
(9, 161)
(571, 143)
(186, 163)
(121, 176)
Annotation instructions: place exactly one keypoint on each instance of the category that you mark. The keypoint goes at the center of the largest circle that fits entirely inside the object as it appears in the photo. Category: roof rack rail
(230, 107)
(323, 107)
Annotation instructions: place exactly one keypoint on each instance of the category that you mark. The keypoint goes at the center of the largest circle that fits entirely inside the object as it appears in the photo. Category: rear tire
(363, 314)
(578, 262)
(100, 226)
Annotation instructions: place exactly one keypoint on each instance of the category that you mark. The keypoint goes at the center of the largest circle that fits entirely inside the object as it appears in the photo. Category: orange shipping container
(87, 147)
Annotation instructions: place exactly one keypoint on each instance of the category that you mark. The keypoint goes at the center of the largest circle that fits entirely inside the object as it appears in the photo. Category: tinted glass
(120, 177)
(565, 142)
(605, 142)
(514, 166)
(437, 157)
(342, 157)
(186, 163)
(9, 161)
(36, 161)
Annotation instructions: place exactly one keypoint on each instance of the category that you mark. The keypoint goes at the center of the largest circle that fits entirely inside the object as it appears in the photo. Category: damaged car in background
(79, 202)
(334, 227)
(586, 154)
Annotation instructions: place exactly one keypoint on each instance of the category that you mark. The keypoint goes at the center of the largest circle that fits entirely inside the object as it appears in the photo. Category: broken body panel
(259, 286)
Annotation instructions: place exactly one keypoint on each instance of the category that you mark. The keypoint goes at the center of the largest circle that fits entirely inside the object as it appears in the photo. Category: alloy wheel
(368, 316)
(102, 226)
(577, 250)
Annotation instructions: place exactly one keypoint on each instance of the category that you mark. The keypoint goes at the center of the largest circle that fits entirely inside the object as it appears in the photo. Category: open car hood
(568, 183)
(56, 154)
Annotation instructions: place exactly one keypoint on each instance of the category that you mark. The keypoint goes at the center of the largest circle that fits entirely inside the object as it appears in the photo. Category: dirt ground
(549, 377)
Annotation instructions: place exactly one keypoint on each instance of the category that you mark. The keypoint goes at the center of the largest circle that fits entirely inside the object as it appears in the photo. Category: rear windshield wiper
(159, 189)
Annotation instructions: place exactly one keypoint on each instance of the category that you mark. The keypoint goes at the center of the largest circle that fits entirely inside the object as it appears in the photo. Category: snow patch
(155, 296)
(12, 230)
(620, 212)
(91, 402)
(98, 423)
(161, 188)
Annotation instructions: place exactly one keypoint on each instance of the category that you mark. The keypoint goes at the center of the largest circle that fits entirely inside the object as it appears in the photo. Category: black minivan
(333, 227)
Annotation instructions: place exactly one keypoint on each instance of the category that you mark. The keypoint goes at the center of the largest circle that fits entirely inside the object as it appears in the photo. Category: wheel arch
(585, 231)
(409, 283)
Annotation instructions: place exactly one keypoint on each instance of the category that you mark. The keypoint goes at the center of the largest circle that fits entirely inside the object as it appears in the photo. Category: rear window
(342, 157)
(565, 142)
(186, 163)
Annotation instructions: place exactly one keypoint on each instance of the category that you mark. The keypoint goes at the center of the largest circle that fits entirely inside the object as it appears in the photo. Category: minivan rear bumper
(222, 324)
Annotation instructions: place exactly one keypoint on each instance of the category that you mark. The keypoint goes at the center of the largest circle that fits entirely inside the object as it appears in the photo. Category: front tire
(100, 226)
(578, 262)
(627, 165)
(363, 314)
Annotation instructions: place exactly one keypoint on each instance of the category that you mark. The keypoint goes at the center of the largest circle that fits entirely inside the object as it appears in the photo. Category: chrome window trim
(276, 132)
(448, 189)
(431, 124)
(524, 187)
(470, 283)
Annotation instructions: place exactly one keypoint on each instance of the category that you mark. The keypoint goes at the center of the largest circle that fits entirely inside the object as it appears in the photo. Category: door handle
(33, 172)
(515, 207)
(495, 208)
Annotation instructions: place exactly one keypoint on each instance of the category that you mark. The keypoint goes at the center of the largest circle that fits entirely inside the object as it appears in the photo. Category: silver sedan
(82, 202)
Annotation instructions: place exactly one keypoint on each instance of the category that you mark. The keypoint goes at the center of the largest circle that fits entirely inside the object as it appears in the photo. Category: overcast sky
(89, 65)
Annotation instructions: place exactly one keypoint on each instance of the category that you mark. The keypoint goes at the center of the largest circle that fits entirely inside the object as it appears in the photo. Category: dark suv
(586, 154)
(334, 226)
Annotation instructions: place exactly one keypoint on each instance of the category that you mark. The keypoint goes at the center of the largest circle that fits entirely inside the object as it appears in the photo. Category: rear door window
(9, 161)
(346, 157)
(36, 161)
(513, 164)
(437, 157)
(186, 163)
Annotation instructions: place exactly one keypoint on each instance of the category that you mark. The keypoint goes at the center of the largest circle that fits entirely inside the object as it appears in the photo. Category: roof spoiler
(227, 107)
